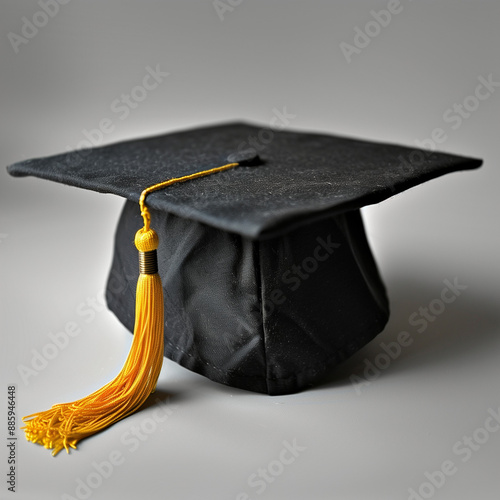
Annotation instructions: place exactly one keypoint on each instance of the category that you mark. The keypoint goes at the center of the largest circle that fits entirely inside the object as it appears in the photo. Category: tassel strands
(65, 424)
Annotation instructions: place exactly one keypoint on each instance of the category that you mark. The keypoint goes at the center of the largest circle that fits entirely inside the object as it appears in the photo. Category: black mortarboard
(267, 275)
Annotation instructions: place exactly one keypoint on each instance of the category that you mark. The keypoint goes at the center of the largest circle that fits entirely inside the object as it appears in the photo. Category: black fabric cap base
(268, 278)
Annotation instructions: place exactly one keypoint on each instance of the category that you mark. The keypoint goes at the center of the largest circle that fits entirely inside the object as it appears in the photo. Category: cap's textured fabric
(268, 277)
(302, 175)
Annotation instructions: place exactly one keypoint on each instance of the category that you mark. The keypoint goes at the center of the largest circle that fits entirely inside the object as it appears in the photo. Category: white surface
(361, 442)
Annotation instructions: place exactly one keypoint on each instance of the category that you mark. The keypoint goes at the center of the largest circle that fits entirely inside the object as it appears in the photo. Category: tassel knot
(146, 240)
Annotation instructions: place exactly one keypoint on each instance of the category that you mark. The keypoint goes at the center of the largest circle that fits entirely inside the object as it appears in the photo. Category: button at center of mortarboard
(247, 158)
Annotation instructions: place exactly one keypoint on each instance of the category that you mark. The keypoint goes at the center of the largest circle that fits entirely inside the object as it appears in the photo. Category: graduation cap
(267, 279)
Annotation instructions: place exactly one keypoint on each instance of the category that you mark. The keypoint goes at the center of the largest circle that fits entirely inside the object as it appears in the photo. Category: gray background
(368, 441)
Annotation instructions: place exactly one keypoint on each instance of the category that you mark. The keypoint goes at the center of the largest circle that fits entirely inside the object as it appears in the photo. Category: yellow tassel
(65, 424)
